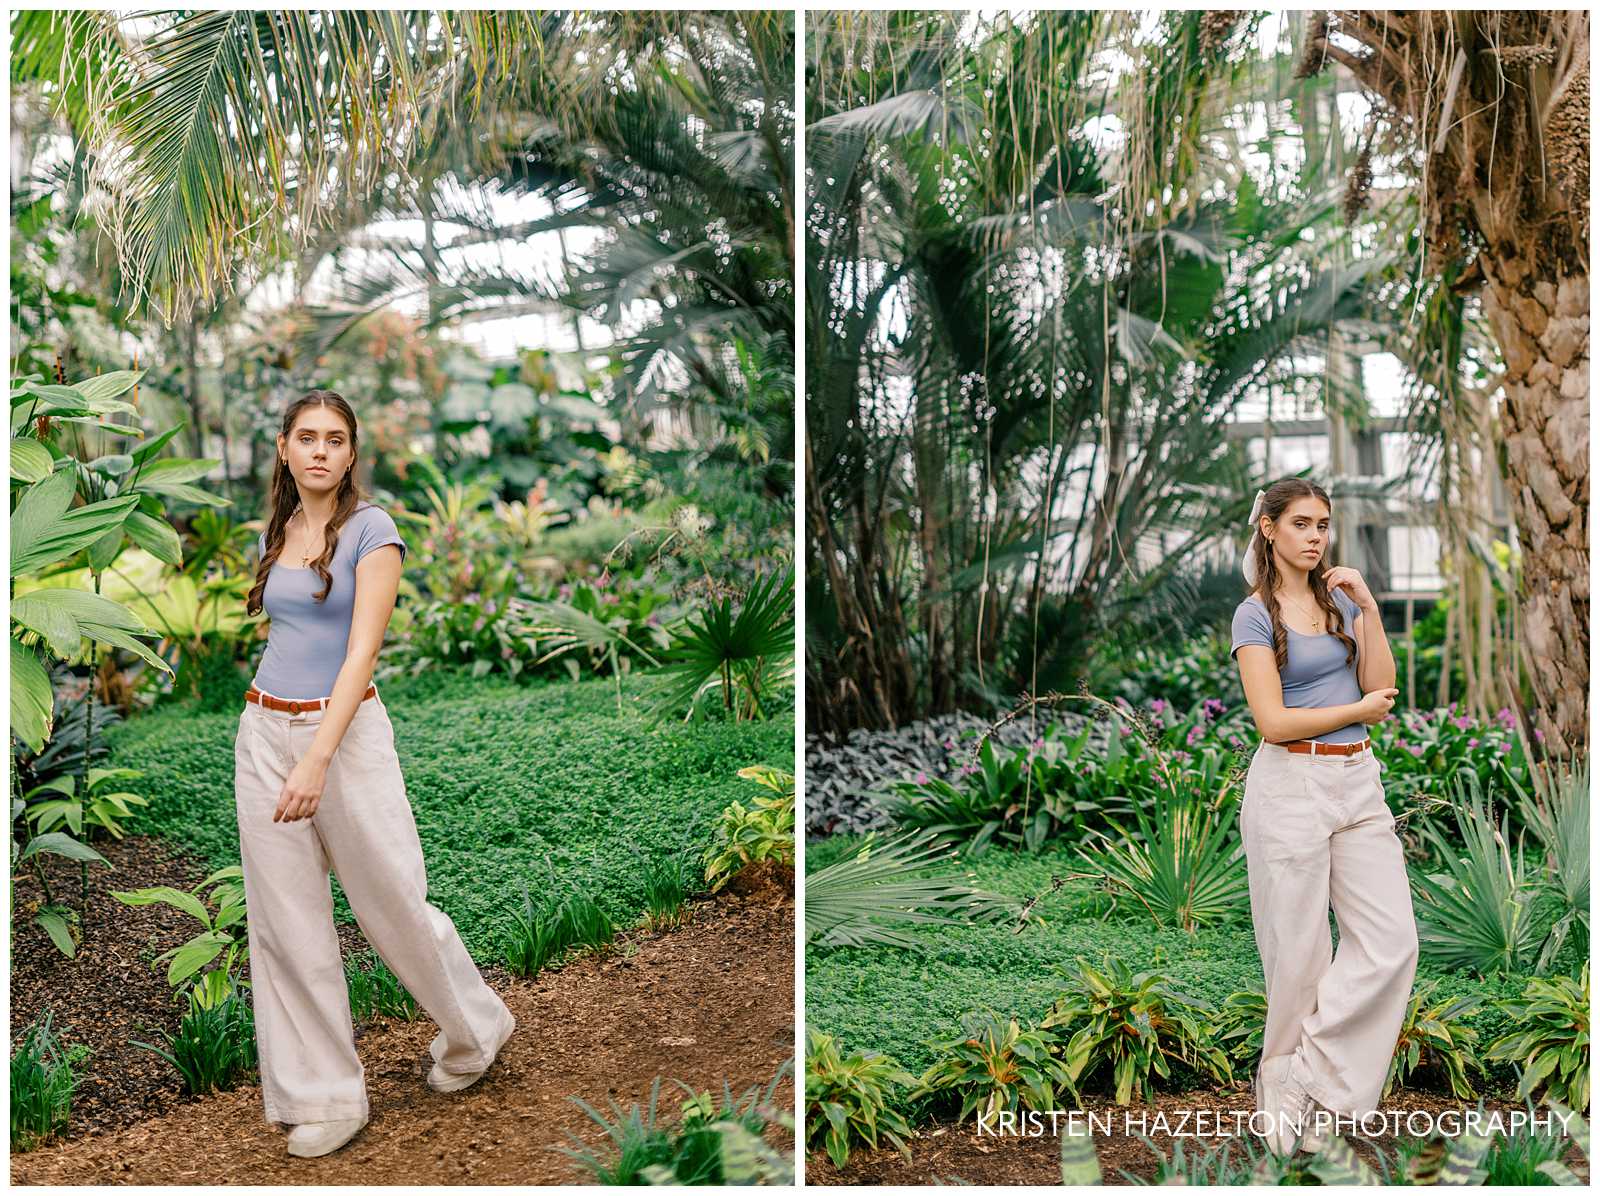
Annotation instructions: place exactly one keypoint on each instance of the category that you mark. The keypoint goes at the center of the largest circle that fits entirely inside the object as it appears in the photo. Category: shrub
(42, 1083)
(1477, 915)
(1131, 1025)
(375, 991)
(1436, 1035)
(995, 1065)
(763, 832)
(1551, 1043)
(1184, 867)
(1426, 753)
(215, 1046)
(999, 798)
(848, 1099)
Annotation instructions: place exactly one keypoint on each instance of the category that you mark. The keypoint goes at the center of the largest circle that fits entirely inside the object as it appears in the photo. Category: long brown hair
(286, 500)
(1274, 502)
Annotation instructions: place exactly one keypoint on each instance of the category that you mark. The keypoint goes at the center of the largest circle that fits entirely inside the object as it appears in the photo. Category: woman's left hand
(302, 792)
(1355, 586)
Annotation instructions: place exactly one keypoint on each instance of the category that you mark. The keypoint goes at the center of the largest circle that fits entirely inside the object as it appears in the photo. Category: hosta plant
(996, 1065)
(849, 1099)
(1131, 1028)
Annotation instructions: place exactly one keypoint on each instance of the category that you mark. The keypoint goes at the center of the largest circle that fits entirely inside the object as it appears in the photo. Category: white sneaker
(1283, 1102)
(454, 1081)
(314, 1138)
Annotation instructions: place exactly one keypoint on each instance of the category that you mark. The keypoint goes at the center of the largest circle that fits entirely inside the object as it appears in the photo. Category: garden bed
(708, 1003)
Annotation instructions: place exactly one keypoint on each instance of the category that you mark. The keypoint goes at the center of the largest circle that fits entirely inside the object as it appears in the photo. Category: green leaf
(41, 534)
(108, 386)
(166, 895)
(56, 843)
(59, 930)
(156, 536)
(30, 460)
(32, 701)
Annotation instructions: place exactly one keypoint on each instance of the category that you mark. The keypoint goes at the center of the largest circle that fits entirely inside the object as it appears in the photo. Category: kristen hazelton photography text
(402, 608)
(1197, 623)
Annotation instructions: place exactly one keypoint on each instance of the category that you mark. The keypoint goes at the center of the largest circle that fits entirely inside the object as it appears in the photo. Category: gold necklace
(305, 559)
(1316, 622)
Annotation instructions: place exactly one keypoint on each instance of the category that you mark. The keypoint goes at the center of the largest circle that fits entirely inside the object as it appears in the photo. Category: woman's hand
(302, 792)
(1355, 585)
(1376, 705)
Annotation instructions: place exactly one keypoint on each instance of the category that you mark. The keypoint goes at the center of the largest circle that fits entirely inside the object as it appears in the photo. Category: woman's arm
(1375, 668)
(377, 585)
(1277, 723)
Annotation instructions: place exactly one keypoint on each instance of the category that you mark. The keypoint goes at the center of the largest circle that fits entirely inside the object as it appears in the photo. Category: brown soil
(957, 1154)
(710, 1002)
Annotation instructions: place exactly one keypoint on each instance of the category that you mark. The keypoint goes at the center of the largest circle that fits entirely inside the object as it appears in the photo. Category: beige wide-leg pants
(363, 829)
(1317, 831)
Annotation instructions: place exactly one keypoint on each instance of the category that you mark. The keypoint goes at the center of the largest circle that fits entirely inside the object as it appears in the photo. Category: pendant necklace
(1316, 623)
(305, 559)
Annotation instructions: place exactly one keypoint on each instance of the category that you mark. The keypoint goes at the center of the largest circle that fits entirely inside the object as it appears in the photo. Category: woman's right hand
(1375, 706)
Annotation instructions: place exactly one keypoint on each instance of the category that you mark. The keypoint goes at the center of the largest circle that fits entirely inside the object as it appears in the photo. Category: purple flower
(1538, 734)
(922, 778)
(1502, 748)
(1212, 708)
(968, 769)
(1157, 705)
(949, 745)
(1472, 743)
(1126, 731)
(1236, 742)
(1038, 744)
(1414, 748)
(1505, 716)
(1196, 732)
(1462, 722)
(1181, 757)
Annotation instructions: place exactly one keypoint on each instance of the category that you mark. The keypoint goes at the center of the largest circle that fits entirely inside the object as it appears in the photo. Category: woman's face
(318, 450)
(1300, 536)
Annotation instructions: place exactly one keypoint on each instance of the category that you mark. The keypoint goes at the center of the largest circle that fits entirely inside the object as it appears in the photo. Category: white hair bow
(1255, 534)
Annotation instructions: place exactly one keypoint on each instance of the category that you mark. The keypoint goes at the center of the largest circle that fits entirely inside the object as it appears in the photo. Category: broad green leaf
(108, 386)
(171, 471)
(30, 460)
(155, 536)
(40, 544)
(56, 843)
(32, 701)
(59, 930)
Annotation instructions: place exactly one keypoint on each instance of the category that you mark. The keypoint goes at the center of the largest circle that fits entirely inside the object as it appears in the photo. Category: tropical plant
(849, 1099)
(100, 805)
(742, 658)
(1478, 913)
(1184, 866)
(1446, 1161)
(765, 831)
(42, 1083)
(1240, 1026)
(222, 935)
(1434, 1035)
(1131, 1026)
(61, 922)
(1557, 812)
(997, 1065)
(714, 1142)
(1551, 1042)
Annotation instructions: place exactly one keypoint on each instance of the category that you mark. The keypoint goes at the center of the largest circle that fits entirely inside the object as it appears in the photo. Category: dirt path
(952, 1154)
(710, 1002)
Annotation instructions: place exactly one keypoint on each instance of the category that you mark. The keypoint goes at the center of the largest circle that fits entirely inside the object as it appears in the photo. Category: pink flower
(1038, 744)
(1414, 749)
(1157, 705)
(1538, 734)
(968, 769)
(1472, 743)
(922, 778)
(1212, 708)
(1502, 748)
(1126, 731)
(1462, 722)
(1196, 732)
(1181, 757)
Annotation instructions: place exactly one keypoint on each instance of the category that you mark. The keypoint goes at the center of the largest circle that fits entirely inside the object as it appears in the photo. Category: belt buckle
(294, 707)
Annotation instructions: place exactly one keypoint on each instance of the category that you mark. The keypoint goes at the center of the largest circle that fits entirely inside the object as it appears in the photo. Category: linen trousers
(365, 832)
(1316, 832)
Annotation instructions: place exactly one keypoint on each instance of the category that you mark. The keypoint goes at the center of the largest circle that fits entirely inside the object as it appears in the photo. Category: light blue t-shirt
(307, 639)
(1316, 674)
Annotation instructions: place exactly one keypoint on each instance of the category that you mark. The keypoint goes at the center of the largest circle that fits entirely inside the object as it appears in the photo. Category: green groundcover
(898, 1001)
(502, 778)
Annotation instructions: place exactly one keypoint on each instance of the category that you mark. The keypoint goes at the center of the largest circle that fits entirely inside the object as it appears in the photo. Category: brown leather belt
(300, 705)
(1312, 747)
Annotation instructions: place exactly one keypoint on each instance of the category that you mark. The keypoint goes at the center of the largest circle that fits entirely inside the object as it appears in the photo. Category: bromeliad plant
(850, 1099)
(997, 1065)
(222, 937)
(1551, 1043)
(1435, 1035)
(763, 832)
(1131, 1026)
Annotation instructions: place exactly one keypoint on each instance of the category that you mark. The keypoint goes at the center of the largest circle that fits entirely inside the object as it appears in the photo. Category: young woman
(317, 785)
(1317, 672)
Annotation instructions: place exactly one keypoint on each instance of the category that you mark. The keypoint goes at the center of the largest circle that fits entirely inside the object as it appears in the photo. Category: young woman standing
(318, 786)
(1317, 671)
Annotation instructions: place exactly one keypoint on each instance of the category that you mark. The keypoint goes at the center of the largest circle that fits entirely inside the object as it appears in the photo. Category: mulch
(707, 1003)
(946, 1153)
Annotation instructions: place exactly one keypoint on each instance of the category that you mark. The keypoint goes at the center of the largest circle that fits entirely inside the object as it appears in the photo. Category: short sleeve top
(1316, 673)
(307, 639)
